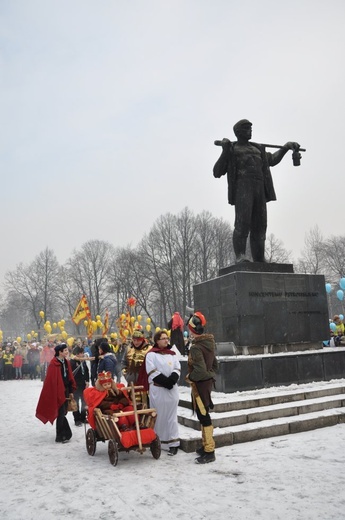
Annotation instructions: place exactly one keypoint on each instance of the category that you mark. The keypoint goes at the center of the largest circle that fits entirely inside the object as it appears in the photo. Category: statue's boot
(239, 243)
(257, 247)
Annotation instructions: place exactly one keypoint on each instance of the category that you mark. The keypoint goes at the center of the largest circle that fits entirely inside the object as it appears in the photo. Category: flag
(106, 323)
(82, 311)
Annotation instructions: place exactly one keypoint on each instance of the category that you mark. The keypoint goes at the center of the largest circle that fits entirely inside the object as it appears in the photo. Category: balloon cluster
(340, 292)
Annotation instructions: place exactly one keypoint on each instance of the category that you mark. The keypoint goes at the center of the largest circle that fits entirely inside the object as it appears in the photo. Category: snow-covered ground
(297, 477)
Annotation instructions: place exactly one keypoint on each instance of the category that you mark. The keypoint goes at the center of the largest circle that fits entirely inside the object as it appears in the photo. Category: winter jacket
(108, 364)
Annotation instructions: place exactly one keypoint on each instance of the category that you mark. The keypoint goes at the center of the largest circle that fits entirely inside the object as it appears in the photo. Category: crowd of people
(94, 375)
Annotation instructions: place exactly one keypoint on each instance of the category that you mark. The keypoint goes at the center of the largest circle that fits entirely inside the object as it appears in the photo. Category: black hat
(59, 348)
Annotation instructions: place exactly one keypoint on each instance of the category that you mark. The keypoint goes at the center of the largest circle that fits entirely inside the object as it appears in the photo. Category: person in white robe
(163, 370)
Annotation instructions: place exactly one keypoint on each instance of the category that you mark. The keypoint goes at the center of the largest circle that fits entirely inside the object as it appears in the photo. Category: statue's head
(243, 128)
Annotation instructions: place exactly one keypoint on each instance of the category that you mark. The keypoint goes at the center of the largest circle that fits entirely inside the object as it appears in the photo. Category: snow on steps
(258, 414)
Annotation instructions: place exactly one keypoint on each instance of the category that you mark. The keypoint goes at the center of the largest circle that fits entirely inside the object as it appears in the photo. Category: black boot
(173, 451)
(200, 451)
(206, 458)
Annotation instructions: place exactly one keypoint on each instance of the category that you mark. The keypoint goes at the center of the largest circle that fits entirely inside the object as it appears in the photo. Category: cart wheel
(91, 441)
(113, 452)
(155, 448)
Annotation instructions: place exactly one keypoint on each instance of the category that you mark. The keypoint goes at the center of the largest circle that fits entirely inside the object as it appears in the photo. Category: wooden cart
(138, 439)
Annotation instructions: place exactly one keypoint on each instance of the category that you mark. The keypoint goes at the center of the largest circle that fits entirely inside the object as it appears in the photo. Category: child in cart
(109, 398)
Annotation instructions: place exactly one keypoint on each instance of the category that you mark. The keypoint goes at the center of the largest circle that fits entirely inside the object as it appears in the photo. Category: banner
(82, 311)
(106, 323)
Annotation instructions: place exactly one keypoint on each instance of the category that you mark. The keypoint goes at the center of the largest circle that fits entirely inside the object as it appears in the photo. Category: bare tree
(37, 285)
(89, 270)
(313, 254)
(334, 256)
(275, 251)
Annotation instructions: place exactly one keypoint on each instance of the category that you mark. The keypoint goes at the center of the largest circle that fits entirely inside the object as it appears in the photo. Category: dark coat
(108, 363)
(226, 165)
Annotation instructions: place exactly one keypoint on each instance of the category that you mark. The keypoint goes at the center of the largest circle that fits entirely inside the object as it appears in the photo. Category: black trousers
(205, 420)
(63, 430)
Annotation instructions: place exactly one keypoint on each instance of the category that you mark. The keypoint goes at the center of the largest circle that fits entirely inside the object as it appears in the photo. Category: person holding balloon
(339, 330)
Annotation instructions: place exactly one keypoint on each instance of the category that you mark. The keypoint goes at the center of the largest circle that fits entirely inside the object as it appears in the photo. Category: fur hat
(197, 323)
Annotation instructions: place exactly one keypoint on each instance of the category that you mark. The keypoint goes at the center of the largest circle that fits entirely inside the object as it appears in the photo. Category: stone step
(257, 414)
(190, 439)
(260, 398)
(262, 413)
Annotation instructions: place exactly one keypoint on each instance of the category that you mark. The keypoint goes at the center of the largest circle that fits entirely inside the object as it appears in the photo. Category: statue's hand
(225, 143)
(291, 145)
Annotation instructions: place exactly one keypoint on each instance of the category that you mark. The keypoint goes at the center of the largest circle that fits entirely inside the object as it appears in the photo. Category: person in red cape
(109, 398)
(59, 384)
(176, 326)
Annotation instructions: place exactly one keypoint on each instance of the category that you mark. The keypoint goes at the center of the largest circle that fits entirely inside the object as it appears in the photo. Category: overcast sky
(109, 111)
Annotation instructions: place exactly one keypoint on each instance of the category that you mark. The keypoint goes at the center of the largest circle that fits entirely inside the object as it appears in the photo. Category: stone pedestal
(256, 309)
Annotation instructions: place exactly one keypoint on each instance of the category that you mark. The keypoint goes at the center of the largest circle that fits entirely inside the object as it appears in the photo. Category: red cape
(93, 397)
(53, 392)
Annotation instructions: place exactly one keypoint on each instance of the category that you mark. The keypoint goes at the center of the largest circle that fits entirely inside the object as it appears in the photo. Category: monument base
(251, 372)
(257, 267)
(258, 309)
(230, 349)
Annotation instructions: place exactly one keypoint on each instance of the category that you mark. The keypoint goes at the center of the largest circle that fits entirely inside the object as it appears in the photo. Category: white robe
(163, 400)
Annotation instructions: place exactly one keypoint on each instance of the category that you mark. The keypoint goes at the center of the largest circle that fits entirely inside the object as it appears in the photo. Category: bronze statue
(250, 186)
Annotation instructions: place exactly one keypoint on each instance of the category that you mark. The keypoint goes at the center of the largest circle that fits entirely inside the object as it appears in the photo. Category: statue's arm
(276, 157)
(221, 166)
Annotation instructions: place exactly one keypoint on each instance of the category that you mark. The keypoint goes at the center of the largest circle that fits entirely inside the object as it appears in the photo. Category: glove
(163, 381)
(173, 378)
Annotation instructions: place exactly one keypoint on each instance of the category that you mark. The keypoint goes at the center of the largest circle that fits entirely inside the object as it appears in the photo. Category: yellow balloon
(122, 316)
(99, 324)
(54, 325)
(59, 323)
(169, 333)
(36, 334)
(132, 319)
(49, 329)
(98, 318)
(148, 328)
(94, 326)
(85, 323)
(47, 322)
(70, 342)
(139, 317)
(64, 334)
(29, 336)
(136, 324)
(63, 323)
(115, 335)
(158, 329)
(126, 332)
(148, 320)
(19, 339)
(32, 333)
(41, 313)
